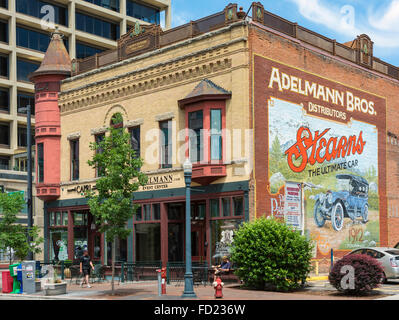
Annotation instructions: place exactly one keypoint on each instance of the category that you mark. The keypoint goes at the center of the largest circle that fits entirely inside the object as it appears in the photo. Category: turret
(55, 67)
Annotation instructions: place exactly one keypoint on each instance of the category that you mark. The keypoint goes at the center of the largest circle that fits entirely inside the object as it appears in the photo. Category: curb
(319, 278)
(39, 297)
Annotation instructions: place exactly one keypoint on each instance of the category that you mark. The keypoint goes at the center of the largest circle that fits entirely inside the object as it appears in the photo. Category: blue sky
(342, 20)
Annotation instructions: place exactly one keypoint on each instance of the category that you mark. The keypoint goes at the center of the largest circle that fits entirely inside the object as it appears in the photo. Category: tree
(112, 203)
(14, 236)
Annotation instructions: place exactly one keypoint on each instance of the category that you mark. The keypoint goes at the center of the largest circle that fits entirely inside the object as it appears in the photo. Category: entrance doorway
(198, 234)
(198, 250)
(176, 232)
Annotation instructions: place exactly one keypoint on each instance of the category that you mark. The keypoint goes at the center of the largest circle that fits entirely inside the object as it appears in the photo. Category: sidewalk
(148, 290)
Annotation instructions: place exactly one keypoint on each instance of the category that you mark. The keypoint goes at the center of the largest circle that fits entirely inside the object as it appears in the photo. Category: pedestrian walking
(85, 266)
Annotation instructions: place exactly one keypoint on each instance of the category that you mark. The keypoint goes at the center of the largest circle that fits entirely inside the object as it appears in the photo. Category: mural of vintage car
(350, 201)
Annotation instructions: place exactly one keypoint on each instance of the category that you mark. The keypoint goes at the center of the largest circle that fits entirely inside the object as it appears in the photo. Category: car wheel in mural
(365, 215)
(319, 216)
(337, 216)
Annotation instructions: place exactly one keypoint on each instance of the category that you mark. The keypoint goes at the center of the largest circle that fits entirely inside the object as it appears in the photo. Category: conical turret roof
(56, 60)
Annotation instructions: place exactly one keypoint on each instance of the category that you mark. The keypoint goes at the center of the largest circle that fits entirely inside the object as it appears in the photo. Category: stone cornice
(73, 136)
(201, 63)
(164, 116)
(158, 51)
(98, 130)
(134, 123)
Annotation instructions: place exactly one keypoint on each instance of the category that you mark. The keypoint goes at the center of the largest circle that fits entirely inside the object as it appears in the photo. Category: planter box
(54, 289)
(38, 285)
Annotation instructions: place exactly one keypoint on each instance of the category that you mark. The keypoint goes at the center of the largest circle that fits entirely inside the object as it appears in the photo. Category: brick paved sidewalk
(148, 290)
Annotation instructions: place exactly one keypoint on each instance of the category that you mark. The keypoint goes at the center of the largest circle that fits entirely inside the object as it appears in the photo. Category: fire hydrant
(163, 281)
(218, 285)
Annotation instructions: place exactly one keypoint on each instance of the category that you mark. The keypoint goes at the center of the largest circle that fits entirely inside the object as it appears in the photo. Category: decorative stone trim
(164, 116)
(158, 51)
(106, 91)
(166, 170)
(73, 136)
(70, 183)
(134, 123)
(196, 65)
(98, 131)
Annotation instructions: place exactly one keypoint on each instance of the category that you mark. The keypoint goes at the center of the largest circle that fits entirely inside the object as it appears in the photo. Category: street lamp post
(29, 167)
(188, 276)
(30, 209)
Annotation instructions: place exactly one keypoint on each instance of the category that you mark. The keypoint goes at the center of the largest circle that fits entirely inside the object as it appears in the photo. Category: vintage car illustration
(351, 201)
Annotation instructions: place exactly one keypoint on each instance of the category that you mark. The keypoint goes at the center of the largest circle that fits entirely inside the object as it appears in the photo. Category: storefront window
(59, 218)
(147, 212)
(222, 232)
(52, 219)
(65, 218)
(148, 242)
(80, 233)
(80, 219)
(175, 241)
(120, 251)
(214, 204)
(176, 211)
(97, 247)
(138, 214)
(226, 207)
(59, 244)
(238, 206)
(156, 211)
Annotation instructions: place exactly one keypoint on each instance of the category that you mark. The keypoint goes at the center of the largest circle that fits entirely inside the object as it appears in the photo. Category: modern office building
(89, 27)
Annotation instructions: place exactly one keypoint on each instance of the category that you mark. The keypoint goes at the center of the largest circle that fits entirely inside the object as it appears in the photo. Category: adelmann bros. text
(306, 88)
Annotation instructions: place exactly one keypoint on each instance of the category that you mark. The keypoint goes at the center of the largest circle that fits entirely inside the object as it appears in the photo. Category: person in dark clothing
(85, 266)
(222, 268)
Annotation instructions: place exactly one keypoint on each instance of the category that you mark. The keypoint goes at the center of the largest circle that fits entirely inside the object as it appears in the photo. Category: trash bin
(7, 282)
(16, 288)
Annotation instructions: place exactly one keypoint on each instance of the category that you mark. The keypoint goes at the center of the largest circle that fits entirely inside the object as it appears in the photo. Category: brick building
(277, 120)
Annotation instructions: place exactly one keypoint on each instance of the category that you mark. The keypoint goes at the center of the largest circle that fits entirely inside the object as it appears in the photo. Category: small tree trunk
(113, 265)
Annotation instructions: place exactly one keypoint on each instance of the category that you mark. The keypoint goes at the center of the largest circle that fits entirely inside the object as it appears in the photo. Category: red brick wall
(302, 56)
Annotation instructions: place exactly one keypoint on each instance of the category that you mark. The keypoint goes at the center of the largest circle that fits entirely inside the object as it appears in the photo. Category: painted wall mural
(330, 139)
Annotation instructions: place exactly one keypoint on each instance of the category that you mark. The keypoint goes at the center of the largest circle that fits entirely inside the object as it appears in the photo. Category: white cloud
(337, 18)
(381, 25)
(388, 20)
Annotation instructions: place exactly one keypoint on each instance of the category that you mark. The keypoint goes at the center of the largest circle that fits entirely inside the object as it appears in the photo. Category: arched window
(117, 120)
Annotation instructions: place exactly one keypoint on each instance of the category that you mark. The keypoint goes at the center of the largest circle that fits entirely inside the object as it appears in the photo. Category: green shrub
(267, 254)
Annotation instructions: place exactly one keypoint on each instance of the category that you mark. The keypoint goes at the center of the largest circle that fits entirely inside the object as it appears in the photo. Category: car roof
(376, 248)
(353, 177)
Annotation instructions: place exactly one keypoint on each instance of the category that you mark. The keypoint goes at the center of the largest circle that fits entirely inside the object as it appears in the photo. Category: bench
(229, 276)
